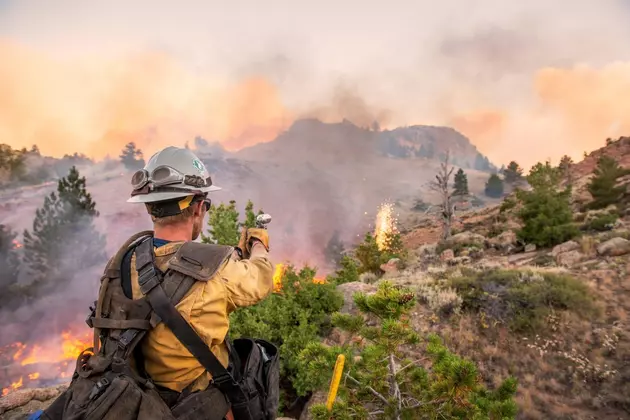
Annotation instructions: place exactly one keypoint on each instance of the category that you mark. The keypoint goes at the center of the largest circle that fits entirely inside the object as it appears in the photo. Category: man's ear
(198, 208)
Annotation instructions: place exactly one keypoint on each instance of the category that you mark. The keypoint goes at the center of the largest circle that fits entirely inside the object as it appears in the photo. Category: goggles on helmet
(163, 176)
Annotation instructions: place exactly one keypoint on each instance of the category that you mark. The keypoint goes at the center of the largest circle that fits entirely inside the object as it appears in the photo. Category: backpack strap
(112, 271)
(150, 280)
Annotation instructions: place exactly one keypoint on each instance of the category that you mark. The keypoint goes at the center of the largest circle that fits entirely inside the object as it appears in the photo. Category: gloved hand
(250, 235)
(260, 234)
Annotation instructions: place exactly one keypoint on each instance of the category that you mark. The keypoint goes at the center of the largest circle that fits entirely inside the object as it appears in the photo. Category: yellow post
(334, 383)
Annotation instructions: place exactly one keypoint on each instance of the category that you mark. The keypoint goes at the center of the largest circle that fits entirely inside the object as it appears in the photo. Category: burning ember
(385, 224)
(42, 363)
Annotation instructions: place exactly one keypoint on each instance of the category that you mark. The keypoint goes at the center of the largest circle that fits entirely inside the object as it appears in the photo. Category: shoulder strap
(112, 271)
(150, 279)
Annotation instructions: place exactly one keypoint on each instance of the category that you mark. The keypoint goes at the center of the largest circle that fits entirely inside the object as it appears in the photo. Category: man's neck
(172, 233)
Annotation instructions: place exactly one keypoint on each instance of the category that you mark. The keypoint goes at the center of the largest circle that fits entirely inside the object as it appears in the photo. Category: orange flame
(33, 376)
(385, 224)
(13, 387)
(17, 245)
(279, 274)
(277, 277)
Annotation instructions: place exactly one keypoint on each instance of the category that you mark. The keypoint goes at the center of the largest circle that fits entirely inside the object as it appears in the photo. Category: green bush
(370, 257)
(546, 212)
(601, 223)
(380, 382)
(292, 319)
(521, 299)
(347, 273)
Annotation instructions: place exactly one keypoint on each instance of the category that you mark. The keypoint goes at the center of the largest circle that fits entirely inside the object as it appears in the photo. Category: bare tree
(441, 185)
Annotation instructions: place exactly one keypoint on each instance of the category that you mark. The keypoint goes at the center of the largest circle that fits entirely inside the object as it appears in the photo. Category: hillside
(314, 179)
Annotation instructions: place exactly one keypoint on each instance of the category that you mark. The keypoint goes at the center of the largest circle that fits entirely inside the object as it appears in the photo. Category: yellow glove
(248, 236)
(256, 233)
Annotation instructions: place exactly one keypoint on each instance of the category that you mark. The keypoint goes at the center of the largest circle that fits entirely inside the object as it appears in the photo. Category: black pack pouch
(260, 378)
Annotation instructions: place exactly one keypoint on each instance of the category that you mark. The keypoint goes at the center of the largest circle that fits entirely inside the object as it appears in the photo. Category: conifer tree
(566, 163)
(380, 382)
(494, 186)
(223, 225)
(250, 216)
(546, 210)
(513, 173)
(460, 184)
(132, 157)
(64, 240)
(603, 186)
(9, 266)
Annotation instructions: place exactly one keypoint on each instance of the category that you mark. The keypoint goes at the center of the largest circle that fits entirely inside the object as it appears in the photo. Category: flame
(12, 387)
(33, 376)
(277, 277)
(385, 224)
(17, 245)
(279, 274)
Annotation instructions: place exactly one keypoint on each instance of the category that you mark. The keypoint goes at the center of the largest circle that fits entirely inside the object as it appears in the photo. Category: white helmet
(171, 173)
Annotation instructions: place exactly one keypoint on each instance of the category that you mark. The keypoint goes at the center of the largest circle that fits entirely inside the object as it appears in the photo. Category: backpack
(109, 381)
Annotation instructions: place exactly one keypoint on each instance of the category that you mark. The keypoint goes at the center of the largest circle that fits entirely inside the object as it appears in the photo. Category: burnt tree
(442, 186)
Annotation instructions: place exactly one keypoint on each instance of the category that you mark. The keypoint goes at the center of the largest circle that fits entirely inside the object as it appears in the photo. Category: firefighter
(174, 186)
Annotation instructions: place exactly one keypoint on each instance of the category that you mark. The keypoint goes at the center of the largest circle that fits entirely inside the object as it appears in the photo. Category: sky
(525, 81)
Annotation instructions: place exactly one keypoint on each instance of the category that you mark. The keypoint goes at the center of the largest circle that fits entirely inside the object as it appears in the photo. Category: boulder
(504, 240)
(466, 238)
(391, 265)
(20, 403)
(569, 258)
(530, 248)
(565, 247)
(614, 247)
(447, 255)
(349, 289)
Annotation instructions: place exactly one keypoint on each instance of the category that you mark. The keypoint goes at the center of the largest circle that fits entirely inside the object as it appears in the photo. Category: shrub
(380, 382)
(546, 212)
(509, 297)
(292, 319)
(441, 301)
(347, 273)
(494, 186)
(601, 223)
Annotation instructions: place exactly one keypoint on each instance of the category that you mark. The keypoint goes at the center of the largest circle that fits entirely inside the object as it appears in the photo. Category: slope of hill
(572, 365)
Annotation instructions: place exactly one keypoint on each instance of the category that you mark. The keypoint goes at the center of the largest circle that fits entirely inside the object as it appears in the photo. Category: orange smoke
(572, 110)
(94, 106)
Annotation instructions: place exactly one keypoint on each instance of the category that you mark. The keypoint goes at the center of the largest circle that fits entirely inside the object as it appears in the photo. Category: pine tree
(494, 186)
(64, 240)
(380, 382)
(603, 186)
(223, 225)
(369, 255)
(334, 250)
(513, 173)
(566, 163)
(9, 267)
(132, 157)
(461, 184)
(546, 211)
(250, 216)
